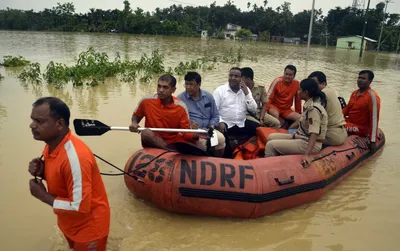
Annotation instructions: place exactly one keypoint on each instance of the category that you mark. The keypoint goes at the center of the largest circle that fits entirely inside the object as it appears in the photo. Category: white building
(230, 31)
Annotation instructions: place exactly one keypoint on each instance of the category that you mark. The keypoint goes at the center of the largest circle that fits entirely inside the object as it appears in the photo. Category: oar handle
(118, 128)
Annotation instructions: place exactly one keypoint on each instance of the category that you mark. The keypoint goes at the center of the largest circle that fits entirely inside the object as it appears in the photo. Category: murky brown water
(362, 213)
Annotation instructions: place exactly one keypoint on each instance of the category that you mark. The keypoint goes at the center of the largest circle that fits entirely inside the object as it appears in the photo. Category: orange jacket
(364, 110)
(281, 94)
(73, 177)
(159, 116)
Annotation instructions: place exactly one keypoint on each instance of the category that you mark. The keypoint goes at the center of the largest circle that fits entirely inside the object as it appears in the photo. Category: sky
(83, 6)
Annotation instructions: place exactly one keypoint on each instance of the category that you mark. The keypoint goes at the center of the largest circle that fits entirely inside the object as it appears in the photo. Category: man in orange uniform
(75, 189)
(362, 112)
(163, 111)
(281, 94)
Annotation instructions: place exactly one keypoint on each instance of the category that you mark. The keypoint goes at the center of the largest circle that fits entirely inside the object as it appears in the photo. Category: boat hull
(240, 188)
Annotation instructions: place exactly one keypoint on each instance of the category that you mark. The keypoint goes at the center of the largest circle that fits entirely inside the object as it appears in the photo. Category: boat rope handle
(334, 152)
(125, 173)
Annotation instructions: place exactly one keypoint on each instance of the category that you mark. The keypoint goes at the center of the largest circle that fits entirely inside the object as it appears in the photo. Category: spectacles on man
(190, 84)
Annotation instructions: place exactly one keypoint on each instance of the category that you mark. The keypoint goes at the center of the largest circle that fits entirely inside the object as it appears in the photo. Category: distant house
(276, 39)
(204, 34)
(354, 42)
(230, 31)
(291, 40)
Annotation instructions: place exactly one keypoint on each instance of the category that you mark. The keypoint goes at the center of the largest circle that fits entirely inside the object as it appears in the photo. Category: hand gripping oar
(87, 127)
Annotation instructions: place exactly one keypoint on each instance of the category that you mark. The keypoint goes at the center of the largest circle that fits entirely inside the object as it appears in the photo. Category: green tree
(244, 34)
(177, 20)
(265, 36)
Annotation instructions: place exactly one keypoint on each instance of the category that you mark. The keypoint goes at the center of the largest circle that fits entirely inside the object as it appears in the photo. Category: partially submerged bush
(10, 61)
(92, 68)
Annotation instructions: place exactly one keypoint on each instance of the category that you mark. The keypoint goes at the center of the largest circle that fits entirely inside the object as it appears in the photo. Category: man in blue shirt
(203, 113)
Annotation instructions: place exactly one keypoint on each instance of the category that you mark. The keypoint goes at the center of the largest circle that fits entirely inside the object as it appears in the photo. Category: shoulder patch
(145, 98)
(150, 97)
(272, 86)
(182, 104)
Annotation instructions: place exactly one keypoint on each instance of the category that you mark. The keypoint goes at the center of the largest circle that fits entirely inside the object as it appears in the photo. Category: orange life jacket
(264, 132)
(254, 148)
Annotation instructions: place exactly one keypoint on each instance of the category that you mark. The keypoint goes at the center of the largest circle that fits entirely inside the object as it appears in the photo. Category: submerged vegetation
(10, 61)
(31, 73)
(92, 67)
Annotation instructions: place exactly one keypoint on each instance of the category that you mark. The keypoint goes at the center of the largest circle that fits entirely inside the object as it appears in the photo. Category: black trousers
(249, 129)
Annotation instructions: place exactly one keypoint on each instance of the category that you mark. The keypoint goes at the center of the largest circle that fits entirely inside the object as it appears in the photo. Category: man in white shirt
(233, 101)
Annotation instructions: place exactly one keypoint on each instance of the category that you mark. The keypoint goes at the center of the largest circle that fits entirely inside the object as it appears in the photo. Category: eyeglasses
(189, 84)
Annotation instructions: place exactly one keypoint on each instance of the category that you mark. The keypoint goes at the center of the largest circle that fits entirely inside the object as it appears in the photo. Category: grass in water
(92, 68)
(10, 61)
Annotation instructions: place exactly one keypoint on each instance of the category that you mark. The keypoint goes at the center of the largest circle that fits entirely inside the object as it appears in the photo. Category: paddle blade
(214, 139)
(87, 127)
(342, 102)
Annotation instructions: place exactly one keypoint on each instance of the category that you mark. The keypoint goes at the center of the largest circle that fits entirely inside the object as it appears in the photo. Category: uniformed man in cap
(336, 133)
(261, 116)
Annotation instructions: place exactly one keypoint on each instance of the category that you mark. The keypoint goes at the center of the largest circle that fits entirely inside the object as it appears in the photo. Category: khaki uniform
(336, 134)
(314, 119)
(258, 95)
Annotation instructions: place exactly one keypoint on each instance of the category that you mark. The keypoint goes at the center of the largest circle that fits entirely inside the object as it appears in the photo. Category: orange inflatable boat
(240, 188)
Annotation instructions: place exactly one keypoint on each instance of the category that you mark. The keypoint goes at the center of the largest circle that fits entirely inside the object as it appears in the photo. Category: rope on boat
(334, 152)
(125, 173)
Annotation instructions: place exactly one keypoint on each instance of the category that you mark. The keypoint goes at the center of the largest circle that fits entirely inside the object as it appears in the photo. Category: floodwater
(362, 213)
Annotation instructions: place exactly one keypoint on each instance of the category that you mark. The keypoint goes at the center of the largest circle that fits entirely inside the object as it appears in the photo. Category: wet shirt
(157, 115)
(73, 177)
(281, 95)
(333, 108)
(203, 111)
(364, 109)
(314, 119)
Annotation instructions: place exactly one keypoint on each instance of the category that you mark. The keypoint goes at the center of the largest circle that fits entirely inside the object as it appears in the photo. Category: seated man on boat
(311, 132)
(261, 116)
(336, 133)
(233, 100)
(280, 96)
(362, 111)
(163, 110)
(203, 112)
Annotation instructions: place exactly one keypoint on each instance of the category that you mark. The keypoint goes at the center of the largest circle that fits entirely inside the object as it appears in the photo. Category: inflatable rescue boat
(241, 188)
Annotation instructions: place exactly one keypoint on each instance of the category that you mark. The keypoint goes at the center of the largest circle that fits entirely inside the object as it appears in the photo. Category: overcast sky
(149, 5)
